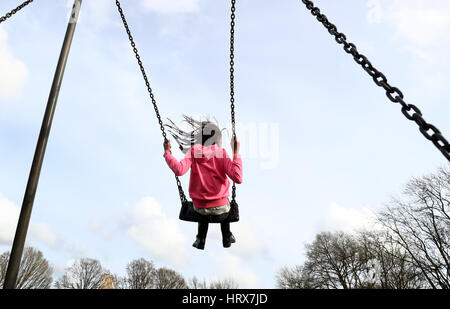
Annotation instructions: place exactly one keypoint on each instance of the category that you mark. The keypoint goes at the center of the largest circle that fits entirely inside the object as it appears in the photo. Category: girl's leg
(201, 236)
(202, 230)
(225, 227)
(227, 236)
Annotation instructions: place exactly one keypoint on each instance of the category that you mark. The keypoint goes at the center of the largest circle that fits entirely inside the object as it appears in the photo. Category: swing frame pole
(33, 179)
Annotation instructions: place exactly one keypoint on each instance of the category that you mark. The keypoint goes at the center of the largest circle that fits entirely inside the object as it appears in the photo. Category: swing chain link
(141, 66)
(394, 94)
(14, 11)
(150, 91)
(233, 16)
(233, 121)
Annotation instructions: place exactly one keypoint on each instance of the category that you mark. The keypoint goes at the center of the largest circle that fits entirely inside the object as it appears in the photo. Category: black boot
(201, 236)
(227, 241)
(199, 243)
(227, 236)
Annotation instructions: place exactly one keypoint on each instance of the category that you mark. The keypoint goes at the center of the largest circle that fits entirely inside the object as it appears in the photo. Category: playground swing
(187, 212)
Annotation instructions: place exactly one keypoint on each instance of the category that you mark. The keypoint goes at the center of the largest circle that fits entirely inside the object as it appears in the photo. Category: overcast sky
(322, 146)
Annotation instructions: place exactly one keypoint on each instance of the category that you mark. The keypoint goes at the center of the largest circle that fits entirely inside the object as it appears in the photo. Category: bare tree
(34, 271)
(413, 250)
(361, 260)
(169, 279)
(389, 264)
(121, 282)
(294, 278)
(420, 223)
(141, 274)
(195, 283)
(83, 274)
(334, 260)
(229, 283)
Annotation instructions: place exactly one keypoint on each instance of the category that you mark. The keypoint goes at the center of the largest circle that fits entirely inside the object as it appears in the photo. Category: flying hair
(203, 132)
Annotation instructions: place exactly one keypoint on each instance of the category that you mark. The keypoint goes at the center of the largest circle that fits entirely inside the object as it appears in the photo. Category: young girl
(210, 165)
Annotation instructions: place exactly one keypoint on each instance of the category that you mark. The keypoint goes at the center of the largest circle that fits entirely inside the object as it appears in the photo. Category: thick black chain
(14, 11)
(394, 94)
(233, 119)
(150, 91)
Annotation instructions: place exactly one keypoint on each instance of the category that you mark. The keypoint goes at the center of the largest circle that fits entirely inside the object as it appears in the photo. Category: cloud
(101, 12)
(100, 227)
(421, 29)
(98, 13)
(9, 213)
(13, 72)
(349, 219)
(9, 216)
(229, 266)
(171, 6)
(375, 12)
(416, 21)
(157, 233)
(247, 244)
(43, 233)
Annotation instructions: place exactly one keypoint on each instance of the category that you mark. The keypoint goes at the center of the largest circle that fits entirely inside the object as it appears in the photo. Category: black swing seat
(187, 213)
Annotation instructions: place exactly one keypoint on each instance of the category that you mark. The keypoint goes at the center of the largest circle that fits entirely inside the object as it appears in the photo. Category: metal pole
(33, 179)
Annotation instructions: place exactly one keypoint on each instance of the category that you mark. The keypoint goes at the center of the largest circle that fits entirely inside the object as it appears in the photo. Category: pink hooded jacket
(210, 166)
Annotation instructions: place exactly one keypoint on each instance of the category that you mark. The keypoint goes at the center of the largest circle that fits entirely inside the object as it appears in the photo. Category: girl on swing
(210, 165)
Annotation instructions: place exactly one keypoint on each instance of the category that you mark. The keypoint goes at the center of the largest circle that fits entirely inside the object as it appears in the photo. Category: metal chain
(14, 11)
(150, 91)
(394, 94)
(141, 66)
(233, 120)
(233, 16)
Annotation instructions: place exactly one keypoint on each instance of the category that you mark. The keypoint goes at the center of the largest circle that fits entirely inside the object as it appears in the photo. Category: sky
(323, 148)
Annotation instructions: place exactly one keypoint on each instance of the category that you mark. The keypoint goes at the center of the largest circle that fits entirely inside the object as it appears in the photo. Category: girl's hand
(167, 145)
(235, 145)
